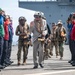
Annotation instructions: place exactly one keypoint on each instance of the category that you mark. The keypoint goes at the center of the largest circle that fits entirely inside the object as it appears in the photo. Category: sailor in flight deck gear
(54, 41)
(61, 37)
(47, 33)
(22, 31)
(37, 28)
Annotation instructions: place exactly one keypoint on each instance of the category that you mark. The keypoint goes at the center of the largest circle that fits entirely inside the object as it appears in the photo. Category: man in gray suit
(37, 28)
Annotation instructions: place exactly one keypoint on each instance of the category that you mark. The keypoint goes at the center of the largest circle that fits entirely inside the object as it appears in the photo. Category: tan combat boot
(24, 62)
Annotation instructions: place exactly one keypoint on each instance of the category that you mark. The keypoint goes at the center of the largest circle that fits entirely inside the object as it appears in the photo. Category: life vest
(23, 29)
(61, 34)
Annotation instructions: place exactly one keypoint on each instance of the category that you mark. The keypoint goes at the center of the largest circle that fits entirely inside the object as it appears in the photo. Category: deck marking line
(46, 73)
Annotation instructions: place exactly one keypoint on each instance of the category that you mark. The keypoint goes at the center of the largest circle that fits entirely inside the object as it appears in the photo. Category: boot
(24, 62)
(61, 58)
(18, 63)
(51, 53)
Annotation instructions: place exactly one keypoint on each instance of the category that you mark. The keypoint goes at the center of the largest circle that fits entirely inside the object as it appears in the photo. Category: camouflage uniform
(47, 48)
(61, 38)
(54, 42)
(23, 42)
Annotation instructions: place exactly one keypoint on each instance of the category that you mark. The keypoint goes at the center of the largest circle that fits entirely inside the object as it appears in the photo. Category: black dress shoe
(11, 62)
(41, 66)
(2, 67)
(6, 64)
(69, 61)
(35, 67)
(73, 64)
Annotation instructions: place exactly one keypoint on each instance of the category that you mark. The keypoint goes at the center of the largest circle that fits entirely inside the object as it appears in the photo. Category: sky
(11, 8)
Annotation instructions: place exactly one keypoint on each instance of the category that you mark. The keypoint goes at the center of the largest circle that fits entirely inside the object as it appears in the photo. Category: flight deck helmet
(37, 14)
(22, 20)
